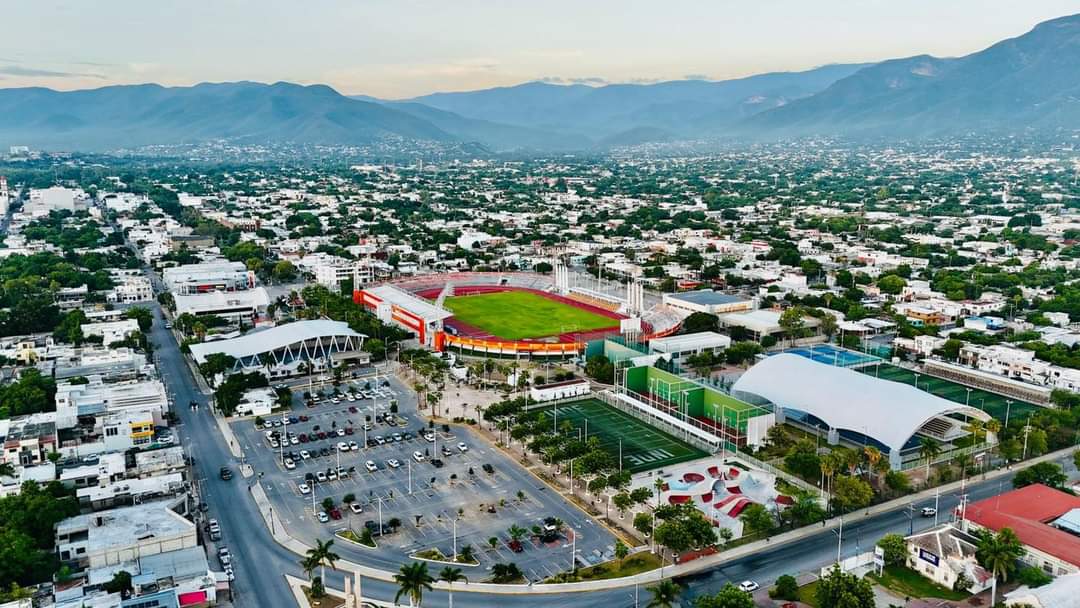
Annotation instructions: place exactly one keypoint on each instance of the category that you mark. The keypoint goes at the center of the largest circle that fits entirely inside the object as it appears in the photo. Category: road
(260, 562)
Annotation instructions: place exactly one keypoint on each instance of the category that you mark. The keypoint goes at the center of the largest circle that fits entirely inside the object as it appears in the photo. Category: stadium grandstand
(856, 407)
(511, 314)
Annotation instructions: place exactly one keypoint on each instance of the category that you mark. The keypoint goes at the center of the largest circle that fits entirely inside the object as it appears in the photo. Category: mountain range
(1027, 82)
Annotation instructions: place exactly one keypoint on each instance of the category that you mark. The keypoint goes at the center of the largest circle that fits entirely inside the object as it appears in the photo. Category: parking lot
(435, 482)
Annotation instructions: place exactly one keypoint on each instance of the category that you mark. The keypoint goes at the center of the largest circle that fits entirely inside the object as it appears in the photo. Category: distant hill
(1029, 81)
(675, 108)
(128, 116)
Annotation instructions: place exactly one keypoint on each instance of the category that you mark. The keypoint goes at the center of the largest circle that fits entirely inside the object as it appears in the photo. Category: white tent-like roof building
(844, 399)
(281, 350)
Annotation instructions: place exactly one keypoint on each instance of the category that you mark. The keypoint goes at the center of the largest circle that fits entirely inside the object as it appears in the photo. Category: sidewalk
(282, 537)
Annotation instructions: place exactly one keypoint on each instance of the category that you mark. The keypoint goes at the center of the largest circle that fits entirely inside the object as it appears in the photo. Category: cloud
(590, 80)
(18, 70)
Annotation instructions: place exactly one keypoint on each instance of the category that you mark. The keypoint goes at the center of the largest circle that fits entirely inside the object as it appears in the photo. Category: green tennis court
(991, 403)
(643, 447)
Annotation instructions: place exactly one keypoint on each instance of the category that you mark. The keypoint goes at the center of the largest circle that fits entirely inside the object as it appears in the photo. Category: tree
(664, 594)
(120, 583)
(621, 550)
(622, 502)
(1046, 473)
(729, 596)
(412, 580)
(643, 523)
(787, 588)
(284, 271)
(504, 573)
(700, 321)
(806, 510)
(891, 284)
(828, 326)
(600, 369)
(851, 493)
(839, 589)
(895, 548)
(142, 315)
(791, 321)
(758, 519)
(320, 556)
(450, 576)
(999, 553)
(928, 449)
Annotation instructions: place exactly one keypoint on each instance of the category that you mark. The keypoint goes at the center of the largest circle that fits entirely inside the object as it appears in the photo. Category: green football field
(992, 403)
(514, 315)
(644, 447)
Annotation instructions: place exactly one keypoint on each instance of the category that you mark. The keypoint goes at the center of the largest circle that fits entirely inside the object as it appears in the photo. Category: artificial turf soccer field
(992, 403)
(643, 446)
(514, 315)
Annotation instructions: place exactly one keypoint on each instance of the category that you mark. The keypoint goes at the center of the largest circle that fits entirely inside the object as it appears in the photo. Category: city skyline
(400, 50)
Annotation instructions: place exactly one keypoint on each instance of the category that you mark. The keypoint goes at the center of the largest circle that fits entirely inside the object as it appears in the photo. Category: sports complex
(514, 314)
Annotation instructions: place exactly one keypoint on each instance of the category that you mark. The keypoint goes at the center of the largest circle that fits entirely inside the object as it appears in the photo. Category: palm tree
(664, 594)
(873, 456)
(321, 556)
(516, 532)
(451, 576)
(412, 580)
(929, 449)
(829, 464)
(999, 553)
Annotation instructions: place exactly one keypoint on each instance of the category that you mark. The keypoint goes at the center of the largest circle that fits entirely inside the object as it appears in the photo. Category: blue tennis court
(832, 355)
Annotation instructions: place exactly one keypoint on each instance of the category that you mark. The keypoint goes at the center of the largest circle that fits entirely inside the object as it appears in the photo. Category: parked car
(305, 454)
(371, 466)
(462, 447)
(354, 446)
(355, 507)
(323, 517)
(437, 463)
(342, 446)
(304, 488)
(320, 477)
(289, 464)
(393, 463)
(417, 456)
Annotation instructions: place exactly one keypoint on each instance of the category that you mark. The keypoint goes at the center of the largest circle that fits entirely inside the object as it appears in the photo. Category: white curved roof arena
(265, 340)
(890, 412)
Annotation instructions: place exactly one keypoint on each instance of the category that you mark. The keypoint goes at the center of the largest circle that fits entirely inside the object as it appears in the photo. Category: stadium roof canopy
(266, 340)
(416, 305)
(890, 412)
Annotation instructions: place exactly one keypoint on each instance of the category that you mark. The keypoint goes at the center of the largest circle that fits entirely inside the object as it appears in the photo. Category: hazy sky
(401, 48)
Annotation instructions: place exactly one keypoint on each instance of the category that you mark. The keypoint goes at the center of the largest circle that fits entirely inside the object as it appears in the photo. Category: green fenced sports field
(643, 446)
(992, 403)
(514, 315)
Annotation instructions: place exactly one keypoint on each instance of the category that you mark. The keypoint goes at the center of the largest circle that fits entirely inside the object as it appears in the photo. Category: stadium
(514, 314)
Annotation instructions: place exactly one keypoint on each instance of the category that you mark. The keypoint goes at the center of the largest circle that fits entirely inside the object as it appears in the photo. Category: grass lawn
(909, 583)
(808, 594)
(326, 601)
(514, 315)
(633, 564)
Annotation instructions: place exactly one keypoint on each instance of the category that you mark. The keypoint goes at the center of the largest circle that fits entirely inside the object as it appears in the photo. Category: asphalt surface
(260, 562)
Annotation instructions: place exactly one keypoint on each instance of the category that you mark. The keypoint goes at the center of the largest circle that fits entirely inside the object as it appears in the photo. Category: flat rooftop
(706, 297)
(703, 339)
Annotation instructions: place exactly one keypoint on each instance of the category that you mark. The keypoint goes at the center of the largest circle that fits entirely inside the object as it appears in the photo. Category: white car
(320, 477)
(305, 454)
(294, 440)
(355, 507)
(354, 446)
(342, 446)
(929, 511)
(462, 447)
(371, 466)
(331, 475)
(393, 463)
(323, 517)
(304, 489)
(229, 574)
(274, 444)
(748, 586)
(340, 432)
(289, 464)
(417, 456)
(429, 436)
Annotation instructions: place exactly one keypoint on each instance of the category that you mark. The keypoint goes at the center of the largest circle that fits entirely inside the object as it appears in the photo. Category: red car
(352, 409)
(322, 435)
(348, 430)
(302, 438)
(304, 418)
(335, 513)
(515, 546)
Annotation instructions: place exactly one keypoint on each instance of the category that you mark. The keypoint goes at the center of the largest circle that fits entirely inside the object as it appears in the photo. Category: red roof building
(1031, 512)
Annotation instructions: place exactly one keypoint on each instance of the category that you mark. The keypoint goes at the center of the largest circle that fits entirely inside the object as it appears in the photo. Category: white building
(1019, 364)
(679, 347)
(210, 276)
(117, 536)
(284, 350)
(331, 275)
(235, 306)
(111, 331)
(559, 390)
(98, 399)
